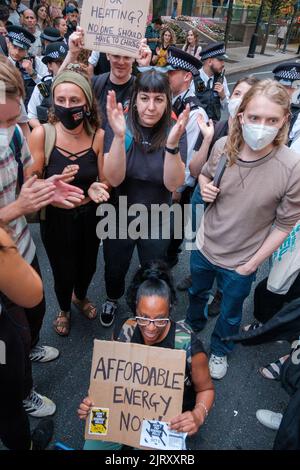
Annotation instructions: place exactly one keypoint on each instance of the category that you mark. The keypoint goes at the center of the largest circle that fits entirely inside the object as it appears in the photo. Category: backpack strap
(222, 163)
(99, 82)
(183, 334)
(16, 147)
(50, 139)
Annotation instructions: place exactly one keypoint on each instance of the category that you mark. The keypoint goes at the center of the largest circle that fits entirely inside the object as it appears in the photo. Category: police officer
(49, 36)
(211, 86)
(182, 68)
(40, 101)
(31, 68)
(288, 74)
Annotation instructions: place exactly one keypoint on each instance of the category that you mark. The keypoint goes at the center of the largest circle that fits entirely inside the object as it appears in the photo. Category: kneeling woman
(69, 235)
(151, 296)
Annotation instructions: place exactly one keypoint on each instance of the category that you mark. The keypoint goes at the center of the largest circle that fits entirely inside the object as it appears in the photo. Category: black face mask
(70, 117)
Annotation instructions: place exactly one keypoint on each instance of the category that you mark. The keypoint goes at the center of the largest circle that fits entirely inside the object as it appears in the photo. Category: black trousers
(176, 242)
(71, 243)
(28, 321)
(267, 304)
(118, 253)
(14, 423)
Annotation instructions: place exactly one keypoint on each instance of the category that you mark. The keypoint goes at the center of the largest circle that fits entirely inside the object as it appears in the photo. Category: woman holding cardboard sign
(151, 297)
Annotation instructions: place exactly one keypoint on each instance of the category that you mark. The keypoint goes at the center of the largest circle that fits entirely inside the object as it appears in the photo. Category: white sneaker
(269, 419)
(217, 366)
(43, 354)
(38, 406)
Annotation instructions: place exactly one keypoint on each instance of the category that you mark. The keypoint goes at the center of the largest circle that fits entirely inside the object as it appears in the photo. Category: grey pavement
(239, 62)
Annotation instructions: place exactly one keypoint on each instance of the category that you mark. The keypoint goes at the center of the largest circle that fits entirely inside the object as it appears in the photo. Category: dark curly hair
(153, 278)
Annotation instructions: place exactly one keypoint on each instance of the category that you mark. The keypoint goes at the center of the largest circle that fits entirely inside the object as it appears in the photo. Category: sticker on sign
(157, 435)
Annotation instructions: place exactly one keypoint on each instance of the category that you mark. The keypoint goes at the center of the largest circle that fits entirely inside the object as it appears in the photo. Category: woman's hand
(115, 115)
(70, 172)
(145, 54)
(65, 195)
(189, 421)
(179, 128)
(98, 192)
(85, 408)
(209, 192)
(207, 128)
(76, 41)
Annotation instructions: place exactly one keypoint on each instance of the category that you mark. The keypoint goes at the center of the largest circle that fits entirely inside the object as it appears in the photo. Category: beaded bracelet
(200, 403)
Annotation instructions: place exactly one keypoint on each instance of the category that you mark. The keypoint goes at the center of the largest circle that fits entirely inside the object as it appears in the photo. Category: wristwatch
(173, 151)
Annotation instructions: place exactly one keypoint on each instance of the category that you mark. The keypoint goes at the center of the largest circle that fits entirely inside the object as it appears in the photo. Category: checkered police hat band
(182, 64)
(207, 55)
(20, 37)
(292, 74)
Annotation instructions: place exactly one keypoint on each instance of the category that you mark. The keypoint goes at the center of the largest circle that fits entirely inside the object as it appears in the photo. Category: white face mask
(258, 136)
(6, 134)
(294, 97)
(233, 106)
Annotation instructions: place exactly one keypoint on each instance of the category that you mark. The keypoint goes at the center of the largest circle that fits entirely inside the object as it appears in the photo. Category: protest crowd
(84, 134)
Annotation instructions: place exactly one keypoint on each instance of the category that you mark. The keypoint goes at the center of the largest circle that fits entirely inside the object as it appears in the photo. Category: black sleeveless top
(87, 161)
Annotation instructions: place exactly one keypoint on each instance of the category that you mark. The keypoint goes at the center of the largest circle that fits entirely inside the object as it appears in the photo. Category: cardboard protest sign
(114, 26)
(130, 383)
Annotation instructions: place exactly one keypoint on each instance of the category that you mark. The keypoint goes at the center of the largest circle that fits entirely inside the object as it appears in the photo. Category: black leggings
(175, 243)
(71, 243)
(14, 423)
(28, 322)
(267, 304)
(118, 253)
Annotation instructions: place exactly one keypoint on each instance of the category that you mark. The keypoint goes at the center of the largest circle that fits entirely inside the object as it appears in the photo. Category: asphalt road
(231, 424)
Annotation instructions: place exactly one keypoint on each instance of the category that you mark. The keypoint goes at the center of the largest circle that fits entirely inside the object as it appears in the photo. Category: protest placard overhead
(114, 26)
(130, 383)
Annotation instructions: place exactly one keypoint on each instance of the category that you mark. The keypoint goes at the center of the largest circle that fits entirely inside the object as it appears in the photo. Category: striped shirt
(8, 194)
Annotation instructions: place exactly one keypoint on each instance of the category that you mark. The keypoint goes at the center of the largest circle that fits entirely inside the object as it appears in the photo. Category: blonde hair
(173, 36)
(276, 93)
(11, 81)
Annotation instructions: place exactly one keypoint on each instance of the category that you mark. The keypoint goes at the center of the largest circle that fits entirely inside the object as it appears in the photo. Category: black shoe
(215, 307)
(107, 316)
(185, 283)
(42, 434)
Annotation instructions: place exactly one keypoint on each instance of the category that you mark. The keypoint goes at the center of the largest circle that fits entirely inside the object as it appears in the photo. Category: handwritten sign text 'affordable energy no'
(114, 26)
(130, 383)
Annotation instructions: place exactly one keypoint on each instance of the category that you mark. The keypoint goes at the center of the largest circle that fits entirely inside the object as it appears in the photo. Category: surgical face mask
(233, 106)
(258, 136)
(70, 117)
(6, 134)
(295, 95)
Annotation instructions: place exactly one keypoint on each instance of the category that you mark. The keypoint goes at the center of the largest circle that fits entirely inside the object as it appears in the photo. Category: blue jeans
(235, 289)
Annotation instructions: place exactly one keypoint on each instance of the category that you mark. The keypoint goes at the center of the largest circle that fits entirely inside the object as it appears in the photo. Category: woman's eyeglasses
(158, 322)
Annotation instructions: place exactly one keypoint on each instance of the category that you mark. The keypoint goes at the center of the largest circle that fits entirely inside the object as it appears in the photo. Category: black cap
(51, 34)
(214, 51)
(55, 51)
(20, 37)
(181, 60)
(287, 73)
